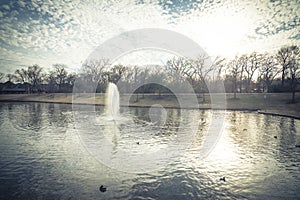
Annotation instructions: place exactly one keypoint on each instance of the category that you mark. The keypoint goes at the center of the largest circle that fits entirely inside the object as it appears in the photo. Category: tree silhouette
(268, 71)
(35, 76)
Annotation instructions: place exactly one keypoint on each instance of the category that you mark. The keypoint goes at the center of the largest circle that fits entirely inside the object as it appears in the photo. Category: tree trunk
(137, 97)
(293, 84)
(268, 85)
(282, 76)
(293, 96)
(248, 86)
(235, 88)
(159, 93)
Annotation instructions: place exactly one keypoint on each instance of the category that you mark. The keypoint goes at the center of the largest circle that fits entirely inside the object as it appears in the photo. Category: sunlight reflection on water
(42, 157)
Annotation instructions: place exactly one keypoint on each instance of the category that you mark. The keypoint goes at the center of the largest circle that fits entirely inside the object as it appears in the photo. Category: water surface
(43, 157)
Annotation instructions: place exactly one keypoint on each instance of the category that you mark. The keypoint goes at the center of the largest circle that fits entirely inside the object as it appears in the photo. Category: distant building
(11, 88)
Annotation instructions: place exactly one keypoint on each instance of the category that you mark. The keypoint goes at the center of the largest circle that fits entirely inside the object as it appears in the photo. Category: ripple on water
(49, 160)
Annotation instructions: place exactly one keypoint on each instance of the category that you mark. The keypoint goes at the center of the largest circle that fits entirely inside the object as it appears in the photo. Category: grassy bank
(275, 103)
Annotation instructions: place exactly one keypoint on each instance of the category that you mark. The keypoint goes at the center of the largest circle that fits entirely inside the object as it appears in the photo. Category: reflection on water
(143, 139)
(42, 157)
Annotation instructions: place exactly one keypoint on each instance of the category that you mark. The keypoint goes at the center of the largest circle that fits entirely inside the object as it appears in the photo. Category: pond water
(46, 154)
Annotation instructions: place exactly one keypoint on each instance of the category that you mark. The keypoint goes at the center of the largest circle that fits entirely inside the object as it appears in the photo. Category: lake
(50, 151)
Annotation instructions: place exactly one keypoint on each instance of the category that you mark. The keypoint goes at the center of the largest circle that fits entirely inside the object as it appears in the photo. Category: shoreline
(278, 114)
(282, 110)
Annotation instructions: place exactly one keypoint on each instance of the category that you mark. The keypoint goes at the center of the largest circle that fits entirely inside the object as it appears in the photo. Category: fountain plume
(112, 101)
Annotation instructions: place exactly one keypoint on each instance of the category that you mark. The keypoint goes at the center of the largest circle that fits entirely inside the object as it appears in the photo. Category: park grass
(268, 103)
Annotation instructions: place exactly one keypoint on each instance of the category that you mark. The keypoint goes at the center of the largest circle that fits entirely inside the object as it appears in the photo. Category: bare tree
(21, 75)
(93, 71)
(243, 62)
(10, 77)
(181, 68)
(268, 71)
(195, 71)
(1, 76)
(51, 81)
(116, 73)
(220, 65)
(254, 62)
(283, 59)
(158, 76)
(60, 74)
(294, 69)
(234, 68)
(136, 80)
(35, 76)
(143, 76)
(201, 69)
(70, 79)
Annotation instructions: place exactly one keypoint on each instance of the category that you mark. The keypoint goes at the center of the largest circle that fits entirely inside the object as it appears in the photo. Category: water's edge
(259, 111)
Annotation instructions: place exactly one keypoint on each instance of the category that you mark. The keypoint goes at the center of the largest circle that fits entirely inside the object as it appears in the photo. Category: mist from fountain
(112, 101)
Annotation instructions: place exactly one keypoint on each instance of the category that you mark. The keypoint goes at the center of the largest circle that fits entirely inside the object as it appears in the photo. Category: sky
(47, 32)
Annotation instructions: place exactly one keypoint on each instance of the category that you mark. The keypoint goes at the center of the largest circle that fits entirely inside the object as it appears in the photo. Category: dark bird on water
(222, 179)
(275, 137)
(138, 143)
(102, 188)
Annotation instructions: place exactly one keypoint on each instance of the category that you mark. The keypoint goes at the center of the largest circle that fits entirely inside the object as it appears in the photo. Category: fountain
(112, 101)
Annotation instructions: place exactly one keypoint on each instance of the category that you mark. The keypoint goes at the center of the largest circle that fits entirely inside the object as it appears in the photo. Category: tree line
(254, 72)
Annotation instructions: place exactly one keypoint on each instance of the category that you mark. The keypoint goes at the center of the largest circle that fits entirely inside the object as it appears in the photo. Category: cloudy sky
(46, 32)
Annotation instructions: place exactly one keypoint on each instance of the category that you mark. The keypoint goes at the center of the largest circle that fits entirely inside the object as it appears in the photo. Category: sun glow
(223, 32)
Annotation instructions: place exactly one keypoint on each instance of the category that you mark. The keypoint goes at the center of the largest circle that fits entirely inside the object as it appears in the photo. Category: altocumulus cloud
(47, 32)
